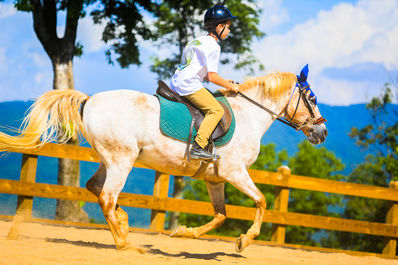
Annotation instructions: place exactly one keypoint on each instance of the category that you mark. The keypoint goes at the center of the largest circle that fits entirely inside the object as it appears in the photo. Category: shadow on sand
(80, 243)
(184, 254)
(149, 249)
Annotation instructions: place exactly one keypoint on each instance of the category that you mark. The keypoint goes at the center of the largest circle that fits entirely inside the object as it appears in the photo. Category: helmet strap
(222, 31)
(214, 31)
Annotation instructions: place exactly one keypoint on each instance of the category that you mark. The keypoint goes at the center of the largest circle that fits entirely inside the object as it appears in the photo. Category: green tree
(317, 163)
(379, 168)
(124, 22)
(180, 21)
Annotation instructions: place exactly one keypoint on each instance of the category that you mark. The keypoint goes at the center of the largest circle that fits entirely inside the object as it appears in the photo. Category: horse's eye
(313, 99)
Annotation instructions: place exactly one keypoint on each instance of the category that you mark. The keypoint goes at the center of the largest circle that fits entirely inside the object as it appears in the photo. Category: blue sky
(351, 47)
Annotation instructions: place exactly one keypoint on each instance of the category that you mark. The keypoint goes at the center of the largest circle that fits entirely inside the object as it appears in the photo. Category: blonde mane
(273, 85)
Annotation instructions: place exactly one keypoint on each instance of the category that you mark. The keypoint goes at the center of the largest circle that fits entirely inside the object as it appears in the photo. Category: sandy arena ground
(48, 244)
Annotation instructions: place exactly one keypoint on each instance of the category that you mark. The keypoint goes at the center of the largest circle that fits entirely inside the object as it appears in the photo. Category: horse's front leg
(242, 181)
(216, 193)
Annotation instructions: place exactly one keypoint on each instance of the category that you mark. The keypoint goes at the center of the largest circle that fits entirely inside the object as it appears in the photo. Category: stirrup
(212, 147)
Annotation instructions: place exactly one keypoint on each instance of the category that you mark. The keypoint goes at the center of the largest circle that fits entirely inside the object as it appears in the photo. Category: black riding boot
(198, 152)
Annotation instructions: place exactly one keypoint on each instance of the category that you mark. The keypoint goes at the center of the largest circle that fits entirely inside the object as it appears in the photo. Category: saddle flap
(226, 118)
(222, 127)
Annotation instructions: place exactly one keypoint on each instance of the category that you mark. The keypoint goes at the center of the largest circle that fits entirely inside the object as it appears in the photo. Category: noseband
(290, 122)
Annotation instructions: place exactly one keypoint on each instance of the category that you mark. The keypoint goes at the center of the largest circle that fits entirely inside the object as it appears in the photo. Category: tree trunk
(179, 186)
(61, 52)
(68, 169)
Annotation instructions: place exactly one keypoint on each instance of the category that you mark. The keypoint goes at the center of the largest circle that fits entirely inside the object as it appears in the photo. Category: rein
(278, 117)
(282, 119)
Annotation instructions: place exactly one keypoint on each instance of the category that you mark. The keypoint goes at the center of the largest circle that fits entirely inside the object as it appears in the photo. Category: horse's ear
(304, 74)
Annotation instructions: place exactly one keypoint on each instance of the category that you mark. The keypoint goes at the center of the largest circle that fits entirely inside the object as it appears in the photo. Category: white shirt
(200, 56)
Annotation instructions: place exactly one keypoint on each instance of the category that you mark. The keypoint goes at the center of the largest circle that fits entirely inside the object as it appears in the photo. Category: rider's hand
(234, 86)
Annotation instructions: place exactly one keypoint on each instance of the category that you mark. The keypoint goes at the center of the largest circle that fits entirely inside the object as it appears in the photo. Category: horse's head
(302, 110)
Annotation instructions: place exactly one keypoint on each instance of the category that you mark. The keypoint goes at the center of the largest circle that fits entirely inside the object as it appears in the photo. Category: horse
(123, 128)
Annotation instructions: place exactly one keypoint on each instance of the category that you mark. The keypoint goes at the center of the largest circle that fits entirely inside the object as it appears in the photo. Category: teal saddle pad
(175, 120)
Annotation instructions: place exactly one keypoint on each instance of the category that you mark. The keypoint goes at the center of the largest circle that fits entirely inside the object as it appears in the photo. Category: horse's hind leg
(216, 193)
(96, 182)
(117, 170)
(95, 185)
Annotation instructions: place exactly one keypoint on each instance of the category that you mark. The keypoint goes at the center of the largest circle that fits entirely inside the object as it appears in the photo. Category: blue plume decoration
(302, 79)
(303, 74)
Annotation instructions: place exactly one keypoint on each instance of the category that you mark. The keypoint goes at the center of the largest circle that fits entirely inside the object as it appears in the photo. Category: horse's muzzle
(317, 134)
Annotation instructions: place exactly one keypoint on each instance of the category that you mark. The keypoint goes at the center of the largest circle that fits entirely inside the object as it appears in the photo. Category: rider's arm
(218, 80)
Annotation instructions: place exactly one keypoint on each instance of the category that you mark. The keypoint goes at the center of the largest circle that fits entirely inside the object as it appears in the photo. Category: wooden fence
(26, 188)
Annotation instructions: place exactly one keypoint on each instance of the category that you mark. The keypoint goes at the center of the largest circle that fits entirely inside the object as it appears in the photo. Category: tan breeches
(213, 111)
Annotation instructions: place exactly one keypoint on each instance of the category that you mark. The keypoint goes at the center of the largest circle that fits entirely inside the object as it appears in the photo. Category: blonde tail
(53, 117)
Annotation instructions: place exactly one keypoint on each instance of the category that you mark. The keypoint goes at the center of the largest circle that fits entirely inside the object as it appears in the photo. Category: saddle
(197, 116)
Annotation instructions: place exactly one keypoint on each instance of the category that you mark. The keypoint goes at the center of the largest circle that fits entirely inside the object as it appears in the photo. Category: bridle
(283, 119)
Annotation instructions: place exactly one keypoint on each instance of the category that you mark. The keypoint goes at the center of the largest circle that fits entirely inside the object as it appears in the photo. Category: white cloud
(273, 14)
(344, 92)
(7, 10)
(90, 35)
(39, 78)
(3, 63)
(347, 34)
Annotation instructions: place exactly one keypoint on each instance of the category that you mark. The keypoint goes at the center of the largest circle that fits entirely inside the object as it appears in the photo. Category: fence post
(24, 203)
(391, 218)
(160, 190)
(280, 204)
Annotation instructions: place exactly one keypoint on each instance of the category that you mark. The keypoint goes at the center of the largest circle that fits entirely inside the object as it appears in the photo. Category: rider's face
(226, 31)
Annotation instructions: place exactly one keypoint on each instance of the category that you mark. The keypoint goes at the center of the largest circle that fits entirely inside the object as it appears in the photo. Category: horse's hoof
(242, 242)
(122, 246)
(180, 231)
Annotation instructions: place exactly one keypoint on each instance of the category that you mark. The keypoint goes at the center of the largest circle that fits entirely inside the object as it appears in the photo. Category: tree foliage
(179, 21)
(379, 168)
(124, 26)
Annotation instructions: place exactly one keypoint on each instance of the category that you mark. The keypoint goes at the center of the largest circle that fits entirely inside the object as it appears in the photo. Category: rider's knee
(219, 110)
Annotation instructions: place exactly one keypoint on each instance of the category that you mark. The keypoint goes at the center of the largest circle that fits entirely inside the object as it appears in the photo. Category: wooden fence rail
(26, 188)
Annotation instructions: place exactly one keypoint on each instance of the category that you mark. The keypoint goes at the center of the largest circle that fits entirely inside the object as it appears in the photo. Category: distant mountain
(340, 121)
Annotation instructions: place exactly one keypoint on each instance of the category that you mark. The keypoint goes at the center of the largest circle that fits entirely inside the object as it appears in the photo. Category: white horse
(123, 127)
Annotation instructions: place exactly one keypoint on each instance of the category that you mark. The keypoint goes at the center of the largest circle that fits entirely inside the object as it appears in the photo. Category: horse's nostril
(325, 133)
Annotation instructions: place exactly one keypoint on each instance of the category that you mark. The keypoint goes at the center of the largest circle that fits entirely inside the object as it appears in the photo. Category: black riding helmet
(217, 15)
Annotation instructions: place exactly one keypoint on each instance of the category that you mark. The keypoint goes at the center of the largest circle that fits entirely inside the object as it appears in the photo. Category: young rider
(200, 61)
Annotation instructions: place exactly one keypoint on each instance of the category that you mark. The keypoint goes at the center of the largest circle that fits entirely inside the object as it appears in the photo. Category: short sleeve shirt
(200, 56)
